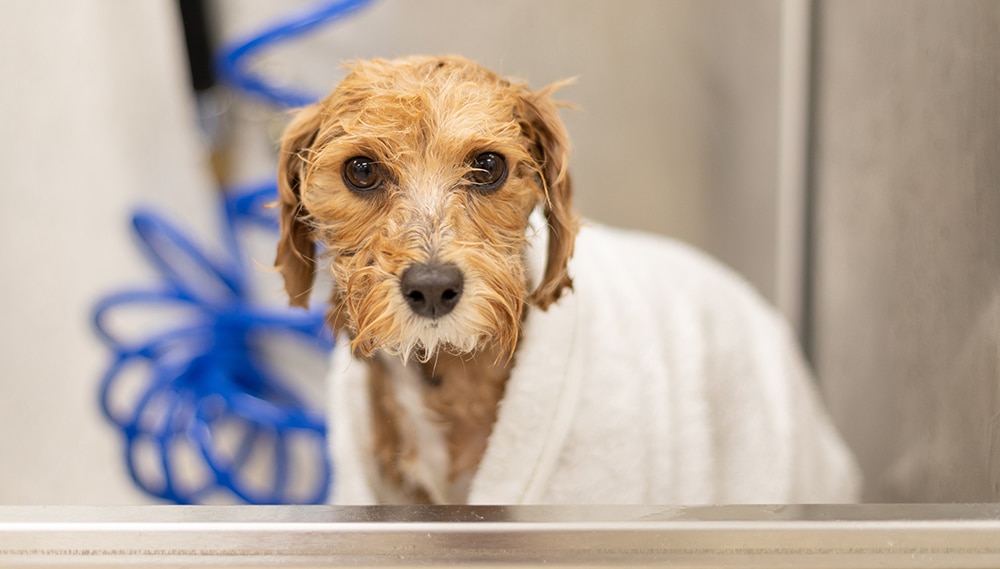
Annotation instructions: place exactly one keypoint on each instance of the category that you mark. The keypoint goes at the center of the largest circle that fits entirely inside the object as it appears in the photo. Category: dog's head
(418, 177)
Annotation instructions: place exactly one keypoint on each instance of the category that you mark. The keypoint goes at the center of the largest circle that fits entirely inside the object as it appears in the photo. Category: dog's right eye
(489, 171)
(362, 174)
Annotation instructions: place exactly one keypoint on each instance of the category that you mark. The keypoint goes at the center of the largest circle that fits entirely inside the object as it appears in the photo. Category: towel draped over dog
(661, 378)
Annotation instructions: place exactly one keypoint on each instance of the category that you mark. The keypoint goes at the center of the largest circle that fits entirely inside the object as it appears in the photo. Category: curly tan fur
(422, 120)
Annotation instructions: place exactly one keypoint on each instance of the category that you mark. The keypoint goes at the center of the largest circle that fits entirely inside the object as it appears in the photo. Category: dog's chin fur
(486, 318)
(421, 339)
(483, 319)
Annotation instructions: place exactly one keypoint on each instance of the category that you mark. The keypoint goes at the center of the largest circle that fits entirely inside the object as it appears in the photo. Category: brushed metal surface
(725, 536)
(907, 255)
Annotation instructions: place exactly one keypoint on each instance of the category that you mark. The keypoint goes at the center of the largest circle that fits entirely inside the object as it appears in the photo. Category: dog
(441, 195)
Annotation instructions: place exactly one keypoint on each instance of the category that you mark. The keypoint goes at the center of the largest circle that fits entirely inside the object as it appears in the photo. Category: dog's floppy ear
(296, 258)
(541, 124)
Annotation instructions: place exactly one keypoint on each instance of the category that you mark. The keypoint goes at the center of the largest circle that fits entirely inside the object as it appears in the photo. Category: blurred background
(844, 156)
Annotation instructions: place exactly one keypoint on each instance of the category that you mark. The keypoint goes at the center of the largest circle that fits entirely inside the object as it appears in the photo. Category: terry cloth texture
(663, 378)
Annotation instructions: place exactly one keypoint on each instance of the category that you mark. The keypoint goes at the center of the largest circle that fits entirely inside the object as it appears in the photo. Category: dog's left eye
(489, 171)
(362, 174)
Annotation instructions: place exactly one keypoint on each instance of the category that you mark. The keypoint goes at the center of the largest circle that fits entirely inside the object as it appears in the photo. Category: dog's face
(418, 177)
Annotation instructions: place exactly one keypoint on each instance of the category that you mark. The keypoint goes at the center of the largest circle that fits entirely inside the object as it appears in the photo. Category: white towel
(662, 378)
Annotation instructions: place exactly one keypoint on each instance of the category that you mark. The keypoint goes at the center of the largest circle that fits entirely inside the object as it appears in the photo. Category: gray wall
(907, 241)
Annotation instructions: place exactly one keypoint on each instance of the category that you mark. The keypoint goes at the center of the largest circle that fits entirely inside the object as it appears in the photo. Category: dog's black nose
(432, 290)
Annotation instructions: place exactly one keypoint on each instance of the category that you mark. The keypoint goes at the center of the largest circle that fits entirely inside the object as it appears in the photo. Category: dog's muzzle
(432, 290)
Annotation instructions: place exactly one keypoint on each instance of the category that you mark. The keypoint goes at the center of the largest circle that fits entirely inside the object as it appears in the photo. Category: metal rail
(953, 536)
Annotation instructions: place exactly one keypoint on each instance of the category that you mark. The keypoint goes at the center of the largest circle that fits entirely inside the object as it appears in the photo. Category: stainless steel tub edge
(943, 535)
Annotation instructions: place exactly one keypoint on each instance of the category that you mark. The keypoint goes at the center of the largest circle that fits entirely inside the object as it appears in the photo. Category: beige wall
(907, 282)
(96, 119)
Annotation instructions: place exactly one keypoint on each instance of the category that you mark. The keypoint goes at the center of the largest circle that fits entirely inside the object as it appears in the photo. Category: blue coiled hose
(232, 63)
(209, 415)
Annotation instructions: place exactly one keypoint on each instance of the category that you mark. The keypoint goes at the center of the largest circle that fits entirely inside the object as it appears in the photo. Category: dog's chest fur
(431, 422)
